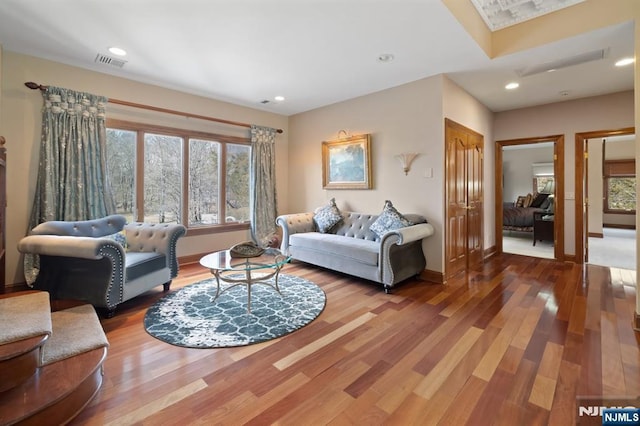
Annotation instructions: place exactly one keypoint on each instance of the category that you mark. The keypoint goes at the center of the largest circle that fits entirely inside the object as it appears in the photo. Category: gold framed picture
(346, 163)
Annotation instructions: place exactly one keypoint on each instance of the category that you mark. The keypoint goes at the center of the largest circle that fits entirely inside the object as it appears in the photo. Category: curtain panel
(71, 183)
(263, 185)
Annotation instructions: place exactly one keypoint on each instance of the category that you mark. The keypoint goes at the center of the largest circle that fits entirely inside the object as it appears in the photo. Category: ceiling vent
(107, 60)
(596, 55)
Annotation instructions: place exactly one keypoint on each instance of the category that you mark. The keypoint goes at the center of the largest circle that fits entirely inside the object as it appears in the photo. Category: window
(540, 182)
(163, 175)
(121, 170)
(542, 177)
(162, 183)
(620, 186)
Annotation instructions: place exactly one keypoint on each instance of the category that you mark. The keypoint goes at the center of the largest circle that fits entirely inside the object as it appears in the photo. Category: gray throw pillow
(327, 217)
(389, 219)
(539, 199)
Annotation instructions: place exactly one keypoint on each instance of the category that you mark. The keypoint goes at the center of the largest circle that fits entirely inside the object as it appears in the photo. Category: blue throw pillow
(327, 217)
(119, 238)
(389, 219)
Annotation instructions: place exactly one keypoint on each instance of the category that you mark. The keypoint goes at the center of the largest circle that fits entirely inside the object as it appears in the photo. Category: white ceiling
(313, 52)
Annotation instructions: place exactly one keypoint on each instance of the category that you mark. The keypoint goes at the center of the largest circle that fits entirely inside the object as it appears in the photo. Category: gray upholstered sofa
(352, 248)
(86, 260)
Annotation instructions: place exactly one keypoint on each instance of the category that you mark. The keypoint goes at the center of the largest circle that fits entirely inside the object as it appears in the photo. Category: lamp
(549, 187)
(406, 159)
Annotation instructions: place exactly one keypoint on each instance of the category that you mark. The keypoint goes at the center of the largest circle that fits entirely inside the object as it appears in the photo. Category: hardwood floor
(512, 343)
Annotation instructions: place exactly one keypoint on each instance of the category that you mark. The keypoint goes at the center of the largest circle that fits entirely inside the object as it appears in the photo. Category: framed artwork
(346, 163)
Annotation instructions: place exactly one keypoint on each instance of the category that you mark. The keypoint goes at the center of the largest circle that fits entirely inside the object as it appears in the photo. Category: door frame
(580, 179)
(558, 173)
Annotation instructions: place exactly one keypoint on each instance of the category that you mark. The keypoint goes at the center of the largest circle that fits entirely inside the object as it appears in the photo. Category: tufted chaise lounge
(351, 247)
(80, 260)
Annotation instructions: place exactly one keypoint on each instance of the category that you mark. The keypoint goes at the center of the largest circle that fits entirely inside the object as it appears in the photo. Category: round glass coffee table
(247, 271)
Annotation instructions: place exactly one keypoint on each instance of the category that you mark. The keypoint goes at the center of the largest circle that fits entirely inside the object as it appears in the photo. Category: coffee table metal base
(231, 277)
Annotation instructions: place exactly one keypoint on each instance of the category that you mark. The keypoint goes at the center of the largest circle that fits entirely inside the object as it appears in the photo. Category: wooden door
(585, 204)
(475, 250)
(456, 178)
(3, 211)
(464, 203)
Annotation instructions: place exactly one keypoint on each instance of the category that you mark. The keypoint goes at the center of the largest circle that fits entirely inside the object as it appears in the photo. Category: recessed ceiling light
(385, 57)
(624, 62)
(117, 51)
(512, 86)
(279, 98)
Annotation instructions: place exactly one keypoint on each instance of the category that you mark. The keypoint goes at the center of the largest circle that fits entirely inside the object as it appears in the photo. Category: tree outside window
(203, 182)
(620, 186)
(162, 178)
(237, 183)
(539, 182)
(190, 177)
(121, 170)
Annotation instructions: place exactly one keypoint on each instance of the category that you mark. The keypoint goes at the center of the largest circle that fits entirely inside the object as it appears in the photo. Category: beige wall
(20, 124)
(517, 167)
(407, 118)
(606, 112)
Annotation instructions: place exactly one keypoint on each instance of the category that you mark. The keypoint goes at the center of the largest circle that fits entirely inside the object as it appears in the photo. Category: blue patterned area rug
(188, 317)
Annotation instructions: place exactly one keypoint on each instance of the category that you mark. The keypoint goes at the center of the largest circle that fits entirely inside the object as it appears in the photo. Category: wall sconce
(406, 159)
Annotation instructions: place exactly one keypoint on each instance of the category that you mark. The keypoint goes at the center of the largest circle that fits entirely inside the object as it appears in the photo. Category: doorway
(589, 203)
(555, 232)
(464, 192)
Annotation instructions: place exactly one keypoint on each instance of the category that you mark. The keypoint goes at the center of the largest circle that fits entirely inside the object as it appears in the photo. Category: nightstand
(542, 227)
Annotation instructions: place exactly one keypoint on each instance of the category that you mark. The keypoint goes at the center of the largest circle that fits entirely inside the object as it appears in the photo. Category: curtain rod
(34, 86)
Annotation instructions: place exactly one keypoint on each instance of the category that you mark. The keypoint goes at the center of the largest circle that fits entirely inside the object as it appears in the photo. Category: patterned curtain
(71, 181)
(263, 185)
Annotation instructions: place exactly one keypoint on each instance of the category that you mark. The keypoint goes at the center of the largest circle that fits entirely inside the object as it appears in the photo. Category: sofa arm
(81, 247)
(408, 234)
(399, 258)
(156, 237)
(108, 294)
(293, 224)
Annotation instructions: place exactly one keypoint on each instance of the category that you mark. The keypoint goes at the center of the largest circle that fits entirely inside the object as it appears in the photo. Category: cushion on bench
(364, 251)
(138, 264)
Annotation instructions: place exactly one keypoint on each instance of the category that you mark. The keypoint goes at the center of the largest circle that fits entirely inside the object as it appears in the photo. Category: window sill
(217, 229)
(629, 212)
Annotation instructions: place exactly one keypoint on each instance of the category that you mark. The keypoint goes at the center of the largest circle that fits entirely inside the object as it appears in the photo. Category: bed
(517, 217)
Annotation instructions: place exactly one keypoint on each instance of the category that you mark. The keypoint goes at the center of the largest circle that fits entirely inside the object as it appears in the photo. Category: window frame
(608, 174)
(141, 128)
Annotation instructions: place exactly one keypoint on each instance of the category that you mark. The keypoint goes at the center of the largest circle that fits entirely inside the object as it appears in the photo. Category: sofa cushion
(327, 217)
(389, 219)
(364, 251)
(138, 264)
